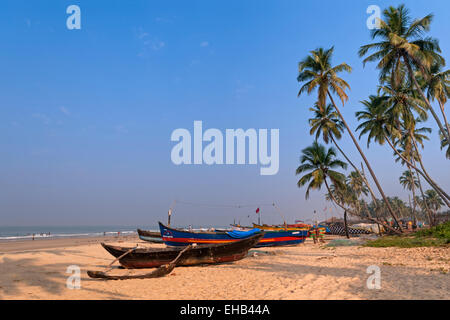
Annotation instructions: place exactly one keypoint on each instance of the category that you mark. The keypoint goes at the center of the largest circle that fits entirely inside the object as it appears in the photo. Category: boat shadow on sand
(27, 278)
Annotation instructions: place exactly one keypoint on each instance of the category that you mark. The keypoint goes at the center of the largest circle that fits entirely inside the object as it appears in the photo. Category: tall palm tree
(438, 88)
(409, 181)
(412, 137)
(381, 127)
(317, 73)
(318, 164)
(410, 154)
(402, 42)
(326, 122)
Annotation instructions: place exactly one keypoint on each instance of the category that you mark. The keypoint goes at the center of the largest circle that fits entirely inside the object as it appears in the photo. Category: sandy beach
(37, 270)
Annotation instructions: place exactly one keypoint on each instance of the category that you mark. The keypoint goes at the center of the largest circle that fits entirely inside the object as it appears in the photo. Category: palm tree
(318, 162)
(409, 181)
(326, 123)
(402, 99)
(445, 144)
(356, 181)
(408, 151)
(433, 200)
(411, 138)
(438, 88)
(402, 42)
(356, 184)
(343, 195)
(317, 73)
(381, 127)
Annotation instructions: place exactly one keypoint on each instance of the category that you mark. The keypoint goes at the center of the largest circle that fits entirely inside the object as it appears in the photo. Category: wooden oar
(159, 272)
(118, 258)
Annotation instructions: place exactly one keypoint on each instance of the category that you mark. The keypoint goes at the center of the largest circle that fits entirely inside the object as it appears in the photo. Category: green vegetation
(441, 231)
(413, 84)
(433, 237)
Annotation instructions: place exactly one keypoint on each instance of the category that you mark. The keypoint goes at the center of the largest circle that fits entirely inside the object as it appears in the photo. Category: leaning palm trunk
(367, 163)
(376, 215)
(441, 105)
(354, 213)
(413, 194)
(423, 197)
(346, 225)
(424, 175)
(372, 194)
(441, 192)
(419, 89)
(375, 202)
(357, 170)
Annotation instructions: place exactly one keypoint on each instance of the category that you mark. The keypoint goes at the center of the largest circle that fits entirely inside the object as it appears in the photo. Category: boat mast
(169, 214)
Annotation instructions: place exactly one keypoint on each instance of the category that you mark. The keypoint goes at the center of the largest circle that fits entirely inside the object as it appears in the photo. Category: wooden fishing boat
(199, 254)
(177, 237)
(150, 236)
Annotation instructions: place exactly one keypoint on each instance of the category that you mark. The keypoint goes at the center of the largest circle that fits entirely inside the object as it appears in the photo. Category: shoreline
(15, 246)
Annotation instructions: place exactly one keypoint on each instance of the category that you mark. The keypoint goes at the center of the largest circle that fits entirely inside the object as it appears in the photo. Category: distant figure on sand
(317, 236)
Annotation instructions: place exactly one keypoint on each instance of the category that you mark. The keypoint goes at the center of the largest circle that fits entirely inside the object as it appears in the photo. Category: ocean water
(12, 233)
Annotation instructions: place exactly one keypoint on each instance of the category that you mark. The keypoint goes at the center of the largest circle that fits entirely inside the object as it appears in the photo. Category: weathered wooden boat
(150, 236)
(161, 271)
(177, 237)
(199, 254)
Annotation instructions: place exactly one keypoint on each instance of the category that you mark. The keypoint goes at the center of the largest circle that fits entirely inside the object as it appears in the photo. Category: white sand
(307, 271)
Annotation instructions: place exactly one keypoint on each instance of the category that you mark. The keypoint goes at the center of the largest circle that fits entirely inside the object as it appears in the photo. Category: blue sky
(86, 115)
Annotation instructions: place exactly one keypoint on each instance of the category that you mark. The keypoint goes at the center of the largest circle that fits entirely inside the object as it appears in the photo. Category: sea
(10, 233)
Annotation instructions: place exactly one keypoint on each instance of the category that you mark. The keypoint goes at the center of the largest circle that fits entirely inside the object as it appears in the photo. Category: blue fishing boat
(177, 237)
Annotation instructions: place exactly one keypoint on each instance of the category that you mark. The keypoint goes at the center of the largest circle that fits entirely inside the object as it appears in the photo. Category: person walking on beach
(317, 236)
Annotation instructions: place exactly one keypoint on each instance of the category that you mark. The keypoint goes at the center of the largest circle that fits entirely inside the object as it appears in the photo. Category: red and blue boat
(177, 237)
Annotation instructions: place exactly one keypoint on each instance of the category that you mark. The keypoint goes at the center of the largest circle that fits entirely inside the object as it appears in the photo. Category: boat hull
(150, 236)
(201, 254)
(175, 237)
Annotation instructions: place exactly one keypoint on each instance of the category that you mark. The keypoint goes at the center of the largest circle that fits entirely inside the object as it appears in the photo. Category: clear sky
(86, 115)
